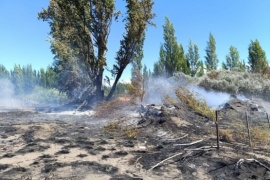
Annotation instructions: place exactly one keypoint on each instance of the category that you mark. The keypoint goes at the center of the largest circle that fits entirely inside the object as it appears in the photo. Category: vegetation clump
(226, 135)
(45, 95)
(236, 82)
(117, 129)
(198, 105)
(106, 108)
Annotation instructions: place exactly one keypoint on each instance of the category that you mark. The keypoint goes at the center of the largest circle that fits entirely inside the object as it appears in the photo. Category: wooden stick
(177, 138)
(240, 162)
(217, 131)
(268, 119)
(203, 148)
(164, 161)
(83, 104)
(195, 142)
(250, 144)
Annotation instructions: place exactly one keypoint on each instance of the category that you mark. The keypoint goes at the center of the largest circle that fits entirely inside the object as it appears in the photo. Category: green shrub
(235, 82)
(44, 95)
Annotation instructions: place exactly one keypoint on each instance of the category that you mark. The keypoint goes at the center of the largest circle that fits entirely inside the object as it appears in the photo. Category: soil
(67, 145)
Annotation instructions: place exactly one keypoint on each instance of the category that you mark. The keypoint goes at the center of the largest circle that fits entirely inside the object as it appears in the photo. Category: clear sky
(24, 39)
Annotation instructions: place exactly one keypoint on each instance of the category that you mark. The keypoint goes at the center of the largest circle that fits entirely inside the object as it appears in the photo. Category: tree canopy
(193, 59)
(171, 54)
(233, 61)
(79, 34)
(211, 60)
(256, 57)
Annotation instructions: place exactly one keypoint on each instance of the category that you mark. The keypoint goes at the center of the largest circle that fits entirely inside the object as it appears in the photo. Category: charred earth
(120, 140)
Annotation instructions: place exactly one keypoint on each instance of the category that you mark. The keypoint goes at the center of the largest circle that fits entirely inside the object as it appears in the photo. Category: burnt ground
(123, 144)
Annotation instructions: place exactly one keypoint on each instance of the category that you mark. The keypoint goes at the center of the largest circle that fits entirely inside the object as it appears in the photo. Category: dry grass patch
(116, 128)
(112, 127)
(237, 131)
(226, 135)
(105, 109)
(198, 105)
(260, 135)
(131, 132)
(169, 100)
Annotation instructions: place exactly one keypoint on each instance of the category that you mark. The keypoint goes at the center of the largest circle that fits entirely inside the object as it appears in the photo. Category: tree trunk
(99, 94)
(118, 76)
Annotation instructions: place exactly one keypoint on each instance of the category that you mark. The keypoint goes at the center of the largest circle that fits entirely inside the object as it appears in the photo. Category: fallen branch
(223, 166)
(178, 154)
(83, 104)
(241, 161)
(204, 148)
(195, 142)
(177, 138)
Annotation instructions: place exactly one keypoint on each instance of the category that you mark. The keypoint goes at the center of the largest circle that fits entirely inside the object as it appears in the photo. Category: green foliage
(158, 69)
(79, 31)
(121, 89)
(256, 57)
(171, 55)
(236, 82)
(4, 73)
(193, 58)
(201, 69)
(45, 95)
(17, 79)
(233, 61)
(224, 66)
(136, 87)
(146, 73)
(25, 78)
(29, 79)
(211, 60)
(139, 16)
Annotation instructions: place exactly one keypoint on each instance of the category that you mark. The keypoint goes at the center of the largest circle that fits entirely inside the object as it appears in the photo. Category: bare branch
(178, 154)
(188, 144)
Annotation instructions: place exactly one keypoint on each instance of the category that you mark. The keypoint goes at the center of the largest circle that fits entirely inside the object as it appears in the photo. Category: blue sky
(24, 39)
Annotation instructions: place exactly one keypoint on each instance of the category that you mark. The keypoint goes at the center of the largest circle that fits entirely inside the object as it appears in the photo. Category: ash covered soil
(121, 142)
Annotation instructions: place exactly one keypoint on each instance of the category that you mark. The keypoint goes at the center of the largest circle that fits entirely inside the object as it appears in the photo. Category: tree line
(25, 78)
(172, 57)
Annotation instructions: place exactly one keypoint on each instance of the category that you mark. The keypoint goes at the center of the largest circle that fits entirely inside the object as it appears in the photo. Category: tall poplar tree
(79, 34)
(4, 73)
(193, 58)
(256, 57)
(211, 60)
(171, 55)
(233, 60)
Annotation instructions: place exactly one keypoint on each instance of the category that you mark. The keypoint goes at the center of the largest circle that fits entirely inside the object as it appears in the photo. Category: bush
(43, 95)
(213, 74)
(236, 82)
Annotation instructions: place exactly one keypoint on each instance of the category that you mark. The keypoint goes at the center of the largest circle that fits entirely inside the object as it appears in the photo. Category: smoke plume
(158, 88)
(7, 99)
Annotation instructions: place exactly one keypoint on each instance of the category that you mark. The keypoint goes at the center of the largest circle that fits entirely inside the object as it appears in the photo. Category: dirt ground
(122, 144)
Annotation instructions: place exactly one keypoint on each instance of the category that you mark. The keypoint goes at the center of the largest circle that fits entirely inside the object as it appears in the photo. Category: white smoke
(7, 99)
(213, 99)
(158, 88)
